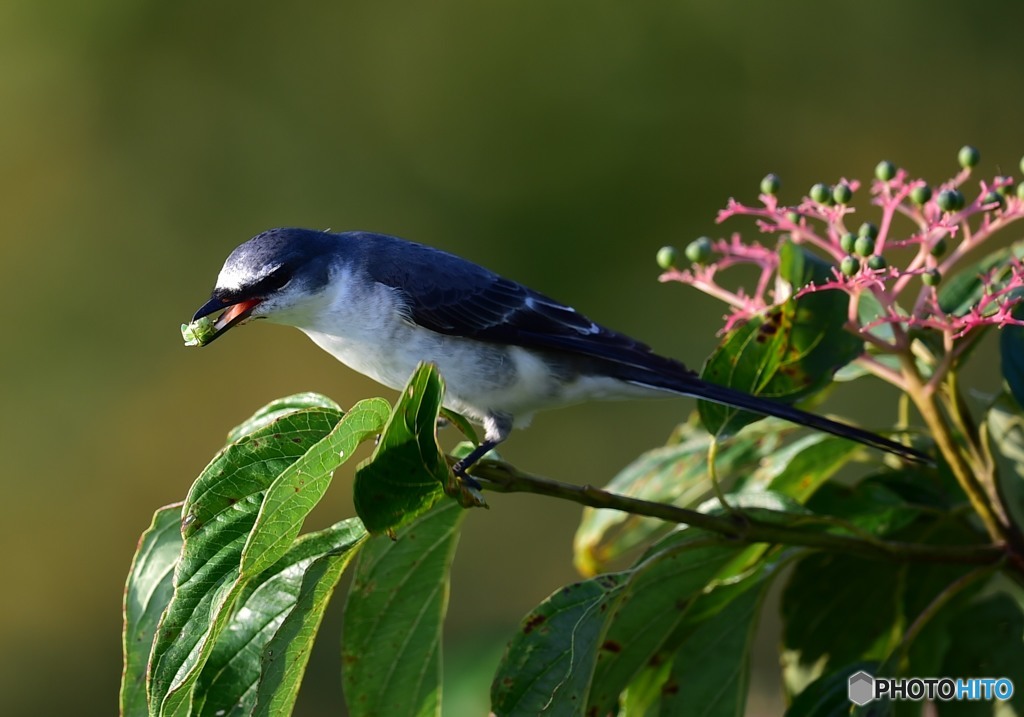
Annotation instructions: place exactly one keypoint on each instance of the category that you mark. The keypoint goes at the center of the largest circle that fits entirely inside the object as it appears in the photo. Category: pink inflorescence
(940, 227)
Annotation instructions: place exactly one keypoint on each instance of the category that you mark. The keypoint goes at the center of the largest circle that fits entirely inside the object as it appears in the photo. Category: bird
(382, 305)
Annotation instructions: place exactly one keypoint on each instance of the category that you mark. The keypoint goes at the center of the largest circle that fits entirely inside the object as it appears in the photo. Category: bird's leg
(460, 469)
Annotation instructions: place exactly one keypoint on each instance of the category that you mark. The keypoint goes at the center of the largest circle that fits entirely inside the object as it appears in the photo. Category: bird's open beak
(233, 314)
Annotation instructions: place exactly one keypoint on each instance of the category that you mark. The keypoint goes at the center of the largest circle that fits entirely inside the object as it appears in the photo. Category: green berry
(920, 194)
(821, 193)
(877, 262)
(867, 229)
(968, 156)
(846, 241)
(849, 265)
(842, 194)
(793, 217)
(667, 257)
(885, 170)
(993, 198)
(1022, 165)
(932, 277)
(939, 247)
(1006, 187)
(1020, 191)
(699, 250)
(770, 184)
(864, 246)
(950, 200)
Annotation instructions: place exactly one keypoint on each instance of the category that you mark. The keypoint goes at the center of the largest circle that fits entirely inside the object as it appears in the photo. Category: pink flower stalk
(943, 228)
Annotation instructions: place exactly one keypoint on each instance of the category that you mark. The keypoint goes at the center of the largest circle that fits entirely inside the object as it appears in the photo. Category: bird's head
(273, 275)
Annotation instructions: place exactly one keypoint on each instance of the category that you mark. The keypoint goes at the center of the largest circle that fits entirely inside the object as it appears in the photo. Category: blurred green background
(560, 143)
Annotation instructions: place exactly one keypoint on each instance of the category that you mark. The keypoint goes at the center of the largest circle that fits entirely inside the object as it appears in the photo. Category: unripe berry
(793, 217)
(885, 170)
(993, 198)
(770, 184)
(821, 193)
(1020, 191)
(699, 250)
(932, 277)
(849, 265)
(950, 200)
(667, 257)
(920, 194)
(842, 194)
(939, 247)
(847, 241)
(867, 229)
(864, 246)
(968, 156)
(877, 262)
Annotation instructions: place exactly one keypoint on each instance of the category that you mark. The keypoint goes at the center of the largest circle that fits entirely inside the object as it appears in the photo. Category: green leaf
(548, 666)
(800, 468)
(677, 474)
(825, 620)
(297, 490)
(222, 517)
(407, 471)
(787, 354)
(712, 666)
(274, 624)
(146, 594)
(870, 506)
(799, 267)
(580, 648)
(1011, 350)
(828, 695)
(394, 615)
(986, 641)
(961, 292)
(1006, 425)
(286, 655)
(278, 408)
(660, 591)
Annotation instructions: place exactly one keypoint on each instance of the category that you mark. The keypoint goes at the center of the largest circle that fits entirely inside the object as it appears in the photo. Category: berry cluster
(921, 237)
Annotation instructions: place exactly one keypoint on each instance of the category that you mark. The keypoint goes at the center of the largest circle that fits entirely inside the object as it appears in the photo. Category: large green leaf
(676, 473)
(582, 646)
(987, 640)
(285, 656)
(221, 518)
(786, 354)
(1006, 425)
(278, 408)
(298, 489)
(660, 591)
(256, 637)
(711, 668)
(149, 589)
(549, 664)
(799, 469)
(826, 623)
(408, 471)
(394, 614)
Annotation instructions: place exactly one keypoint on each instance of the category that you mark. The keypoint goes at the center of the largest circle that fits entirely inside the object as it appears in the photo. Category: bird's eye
(275, 280)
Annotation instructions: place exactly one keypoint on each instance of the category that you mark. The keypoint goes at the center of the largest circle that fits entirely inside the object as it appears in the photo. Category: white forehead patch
(234, 276)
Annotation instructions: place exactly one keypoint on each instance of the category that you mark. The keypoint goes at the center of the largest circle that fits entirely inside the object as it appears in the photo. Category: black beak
(234, 313)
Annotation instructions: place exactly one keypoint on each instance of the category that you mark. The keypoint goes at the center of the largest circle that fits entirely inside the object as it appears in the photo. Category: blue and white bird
(381, 305)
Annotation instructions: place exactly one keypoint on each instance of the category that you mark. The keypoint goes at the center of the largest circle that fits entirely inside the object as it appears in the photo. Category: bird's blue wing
(453, 296)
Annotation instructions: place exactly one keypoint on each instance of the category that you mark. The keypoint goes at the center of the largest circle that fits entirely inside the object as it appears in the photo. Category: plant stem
(927, 404)
(502, 477)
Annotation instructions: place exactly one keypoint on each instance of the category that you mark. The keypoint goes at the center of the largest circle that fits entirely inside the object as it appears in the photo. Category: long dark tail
(690, 385)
